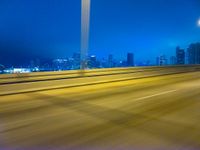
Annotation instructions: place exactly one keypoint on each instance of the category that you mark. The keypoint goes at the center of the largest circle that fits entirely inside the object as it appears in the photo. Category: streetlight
(198, 23)
(85, 25)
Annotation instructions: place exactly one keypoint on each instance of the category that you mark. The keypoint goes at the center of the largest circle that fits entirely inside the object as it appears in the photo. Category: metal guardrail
(49, 76)
(53, 73)
(23, 86)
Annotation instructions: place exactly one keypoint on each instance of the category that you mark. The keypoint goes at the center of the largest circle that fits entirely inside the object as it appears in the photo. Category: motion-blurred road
(155, 112)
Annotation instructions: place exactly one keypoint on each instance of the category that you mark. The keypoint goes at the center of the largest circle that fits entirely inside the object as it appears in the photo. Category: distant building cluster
(93, 62)
(182, 57)
(72, 63)
(190, 56)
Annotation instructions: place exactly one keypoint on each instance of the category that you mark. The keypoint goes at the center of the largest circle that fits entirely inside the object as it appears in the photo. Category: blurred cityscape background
(48, 35)
(181, 56)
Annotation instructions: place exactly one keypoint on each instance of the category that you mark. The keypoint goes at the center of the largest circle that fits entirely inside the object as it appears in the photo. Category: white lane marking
(154, 95)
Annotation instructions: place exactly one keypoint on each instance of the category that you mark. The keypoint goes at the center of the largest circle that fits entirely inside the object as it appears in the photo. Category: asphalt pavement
(155, 112)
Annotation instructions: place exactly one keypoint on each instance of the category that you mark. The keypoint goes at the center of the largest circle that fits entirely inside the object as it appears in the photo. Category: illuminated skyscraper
(194, 53)
(161, 60)
(76, 60)
(93, 62)
(130, 59)
(180, 56)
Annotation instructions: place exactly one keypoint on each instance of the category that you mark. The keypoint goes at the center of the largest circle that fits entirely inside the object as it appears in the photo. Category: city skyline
(136, 62)
(49, 29)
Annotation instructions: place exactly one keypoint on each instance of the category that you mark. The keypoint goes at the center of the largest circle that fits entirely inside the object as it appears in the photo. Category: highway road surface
(152, 113)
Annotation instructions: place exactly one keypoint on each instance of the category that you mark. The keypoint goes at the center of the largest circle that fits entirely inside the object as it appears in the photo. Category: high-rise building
(76, 60)
(194, 53)
(37, 63)
(130, 59)
(161, 60)
(60, 64)
(93, 62)
(180, 56)
(173, 60)
(103, 63)
(32, 64)
(110, 61)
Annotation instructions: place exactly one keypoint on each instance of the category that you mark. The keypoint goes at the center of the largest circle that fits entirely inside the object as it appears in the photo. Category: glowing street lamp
(198, 23)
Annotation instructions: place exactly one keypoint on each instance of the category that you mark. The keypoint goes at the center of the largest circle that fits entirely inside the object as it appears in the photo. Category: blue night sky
(51, 28)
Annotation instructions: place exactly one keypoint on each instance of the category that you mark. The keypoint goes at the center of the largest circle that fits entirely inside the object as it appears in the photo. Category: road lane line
(48, 87)
(154, 95)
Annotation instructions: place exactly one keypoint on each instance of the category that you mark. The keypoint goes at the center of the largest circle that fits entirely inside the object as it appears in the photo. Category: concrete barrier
(90, 77)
